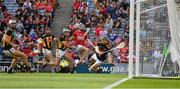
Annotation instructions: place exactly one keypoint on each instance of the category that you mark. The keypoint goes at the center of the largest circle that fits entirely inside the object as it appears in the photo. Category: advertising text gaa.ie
(114, 69)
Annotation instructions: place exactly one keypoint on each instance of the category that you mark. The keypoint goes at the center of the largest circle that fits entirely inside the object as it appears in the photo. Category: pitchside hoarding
(106, 68)
(4, 66)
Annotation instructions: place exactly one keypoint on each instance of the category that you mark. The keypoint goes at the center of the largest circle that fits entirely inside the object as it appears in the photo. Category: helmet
(66, 30)
(103, 40)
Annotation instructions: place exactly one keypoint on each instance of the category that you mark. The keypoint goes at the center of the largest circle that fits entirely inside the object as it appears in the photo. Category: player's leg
(91, 62)
(70, 59)
(17, 55)
(48, 57)
(46, 60)
(83, 53)
(59, 55)
(12, 66)
(57, 58)
(57, 62)
(22, 56)
(13, 63)
(95, 66)
(71, 66)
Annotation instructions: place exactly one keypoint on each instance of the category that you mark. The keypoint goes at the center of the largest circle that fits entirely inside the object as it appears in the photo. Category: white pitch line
(117, 83)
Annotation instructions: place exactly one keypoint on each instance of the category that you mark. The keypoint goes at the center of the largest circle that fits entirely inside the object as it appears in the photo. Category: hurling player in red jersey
(80, 42)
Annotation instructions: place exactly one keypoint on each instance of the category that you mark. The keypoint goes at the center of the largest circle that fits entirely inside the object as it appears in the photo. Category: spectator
(20, 26)
(27, 4)
(98, 29)
(112, 11)
(108, 24)
(157, 58)
(78, 23)
(1, 15)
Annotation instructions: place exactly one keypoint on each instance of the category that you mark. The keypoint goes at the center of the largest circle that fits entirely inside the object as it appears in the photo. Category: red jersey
(42, 22)
(40, 6)
(103, 10)
(124, 50)
(124, 58)
(79, 40)
(49, 8)
(51, 0)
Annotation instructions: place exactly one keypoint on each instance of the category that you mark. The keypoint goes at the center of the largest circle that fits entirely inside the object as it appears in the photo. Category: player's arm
(57, 44)
(97, 50)
(64, 43)
(7, 39)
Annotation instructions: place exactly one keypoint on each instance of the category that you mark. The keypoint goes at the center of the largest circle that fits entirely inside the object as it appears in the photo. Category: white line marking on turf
(117, 83)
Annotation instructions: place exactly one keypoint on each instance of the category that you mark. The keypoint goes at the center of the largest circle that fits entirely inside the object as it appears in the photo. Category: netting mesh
(155, 39)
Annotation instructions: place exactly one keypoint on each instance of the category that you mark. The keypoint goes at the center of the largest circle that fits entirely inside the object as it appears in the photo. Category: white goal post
(150, 17)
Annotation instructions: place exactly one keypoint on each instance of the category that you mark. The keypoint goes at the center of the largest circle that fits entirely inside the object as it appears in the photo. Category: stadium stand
(33, 18)
(92, 14)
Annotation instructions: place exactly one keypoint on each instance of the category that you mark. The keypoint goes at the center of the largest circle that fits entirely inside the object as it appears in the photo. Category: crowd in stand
(33, 19)
(108, 16)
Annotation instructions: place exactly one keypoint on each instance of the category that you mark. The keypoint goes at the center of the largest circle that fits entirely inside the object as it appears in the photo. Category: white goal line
(117, 83)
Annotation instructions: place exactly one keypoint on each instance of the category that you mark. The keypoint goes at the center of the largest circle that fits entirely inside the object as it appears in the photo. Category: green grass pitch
(48, 80)
(151, 83)
(79, 81)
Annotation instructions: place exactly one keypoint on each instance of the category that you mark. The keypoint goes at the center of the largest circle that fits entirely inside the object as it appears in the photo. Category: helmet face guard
(103, 40)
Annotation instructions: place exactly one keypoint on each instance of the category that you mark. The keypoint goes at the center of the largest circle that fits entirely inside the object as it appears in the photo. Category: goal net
(156, 39)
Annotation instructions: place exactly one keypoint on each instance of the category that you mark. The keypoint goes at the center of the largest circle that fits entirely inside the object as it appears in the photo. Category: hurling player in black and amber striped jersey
(47, 40)
(10, 49)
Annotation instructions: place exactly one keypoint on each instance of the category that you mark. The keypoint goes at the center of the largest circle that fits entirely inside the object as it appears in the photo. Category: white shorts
(60, 53)
(78, 48)
(9, 52)
(94, 56)
(46, 51)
